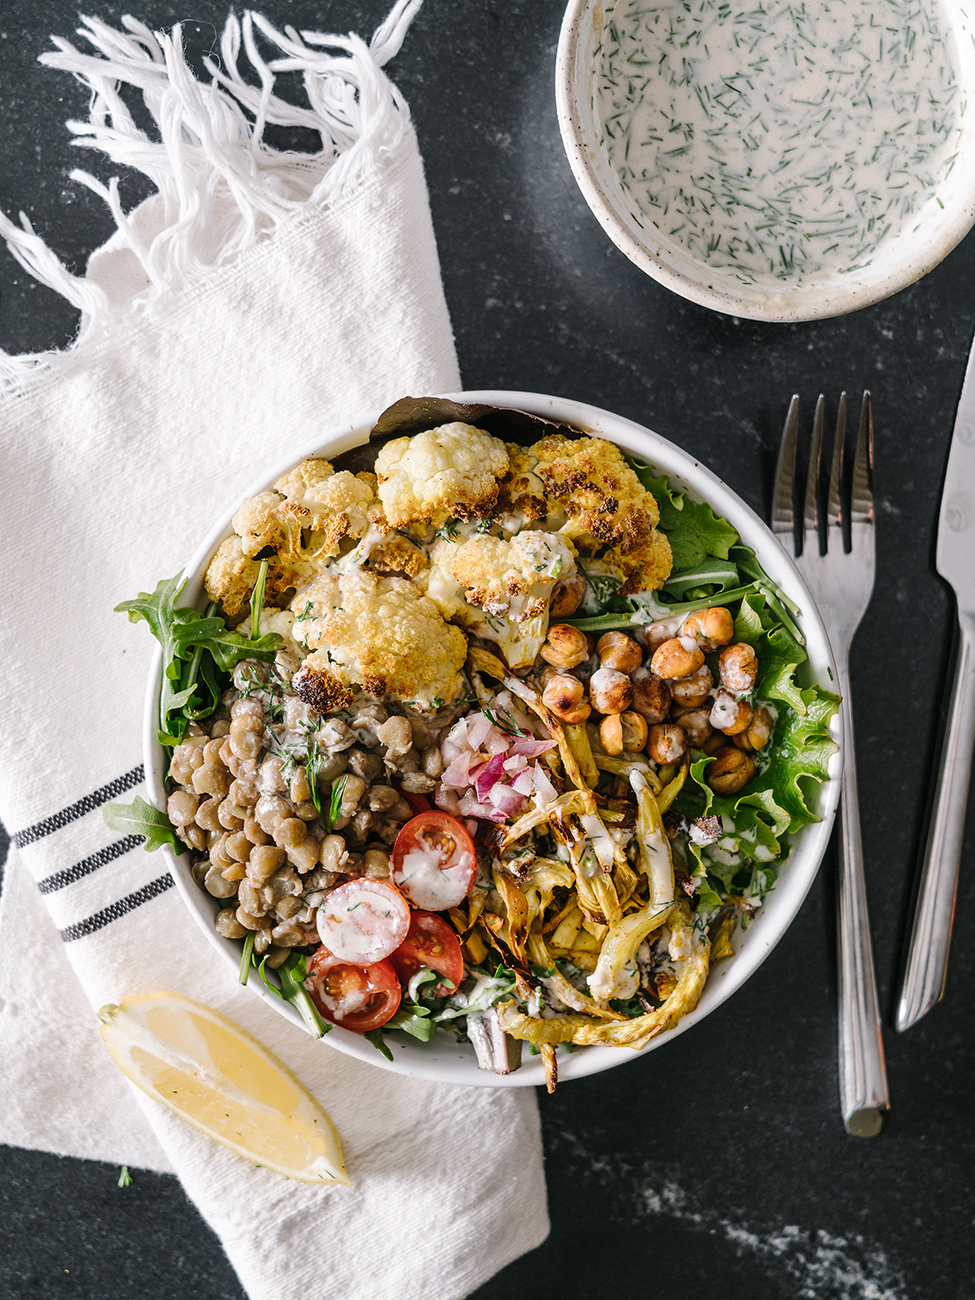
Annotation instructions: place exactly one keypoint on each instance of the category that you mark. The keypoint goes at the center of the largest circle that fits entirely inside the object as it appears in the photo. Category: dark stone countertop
(719, 1164)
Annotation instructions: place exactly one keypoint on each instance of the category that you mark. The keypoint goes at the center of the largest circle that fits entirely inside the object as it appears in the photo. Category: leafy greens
(197, 648)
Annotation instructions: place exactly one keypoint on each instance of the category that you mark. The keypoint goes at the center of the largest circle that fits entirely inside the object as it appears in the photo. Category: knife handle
(864, 1098)
(926, 965)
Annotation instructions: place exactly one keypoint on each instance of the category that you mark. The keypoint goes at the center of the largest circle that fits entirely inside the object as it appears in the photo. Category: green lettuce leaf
(694, 531)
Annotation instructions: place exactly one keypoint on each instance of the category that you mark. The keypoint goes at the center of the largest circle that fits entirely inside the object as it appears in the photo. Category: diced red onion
(505, 799)
(543, 783)
(478, 730)
(532, 748)
(457, 774)
(488, 775)
(524, 782)
(447, 800)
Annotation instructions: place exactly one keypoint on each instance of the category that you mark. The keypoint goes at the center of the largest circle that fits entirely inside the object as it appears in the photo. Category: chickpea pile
(242, 802)
(664, 700)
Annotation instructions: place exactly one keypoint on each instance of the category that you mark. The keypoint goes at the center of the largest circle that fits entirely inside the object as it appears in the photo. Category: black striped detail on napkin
(30, 834)
(117, 910)
(87, 865)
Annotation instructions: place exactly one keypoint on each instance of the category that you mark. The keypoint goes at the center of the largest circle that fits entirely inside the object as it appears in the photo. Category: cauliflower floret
(381, 633)
(280, 621)
(501, 590)
(605, 506)
(325, 495)
(521, 493)
(443, 473)
(260, 522)
(231, 576)
(503, 576)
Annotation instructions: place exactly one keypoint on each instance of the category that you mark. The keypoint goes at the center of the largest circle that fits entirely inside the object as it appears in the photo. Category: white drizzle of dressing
(779, 143)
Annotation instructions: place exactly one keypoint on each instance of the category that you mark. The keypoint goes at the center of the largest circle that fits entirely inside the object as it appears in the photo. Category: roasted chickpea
(676, 658)
(729, 714)
(634, 729)
(709, 627)
(730, 770)
(565, 646)
(619, 651)
(651, 698)
(657, 633)
(567, 596)
(738, 666)
(610, 691)
(691, 692)
(667, 742)
(756, 734)
(611, 734)
(565, 695)
(697, 724)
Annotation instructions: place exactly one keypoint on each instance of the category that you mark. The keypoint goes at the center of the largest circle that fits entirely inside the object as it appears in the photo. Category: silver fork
(841, 583)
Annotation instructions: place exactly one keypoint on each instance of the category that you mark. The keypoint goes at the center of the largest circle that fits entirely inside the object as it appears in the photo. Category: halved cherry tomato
(434, 861)
(430, 942)
(359, 998)
(362, 921)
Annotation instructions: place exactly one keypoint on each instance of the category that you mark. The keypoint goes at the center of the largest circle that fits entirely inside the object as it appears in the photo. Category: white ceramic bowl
(899, 262)
(443, 1059)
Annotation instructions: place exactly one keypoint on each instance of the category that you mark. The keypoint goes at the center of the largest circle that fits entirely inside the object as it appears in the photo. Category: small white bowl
(915, 251)
(443, 1059)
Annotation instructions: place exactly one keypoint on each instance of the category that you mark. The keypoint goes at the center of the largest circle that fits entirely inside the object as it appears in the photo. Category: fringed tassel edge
(221, 187)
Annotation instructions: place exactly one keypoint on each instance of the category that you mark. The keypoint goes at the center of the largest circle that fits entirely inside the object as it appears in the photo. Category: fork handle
(926, 965)
(863, 1074)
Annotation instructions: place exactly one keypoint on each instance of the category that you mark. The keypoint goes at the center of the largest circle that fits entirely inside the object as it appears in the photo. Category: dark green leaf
(141, 818)
(375, 1037)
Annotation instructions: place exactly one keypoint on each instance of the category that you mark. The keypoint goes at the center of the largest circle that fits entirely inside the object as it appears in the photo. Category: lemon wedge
(221, 1079)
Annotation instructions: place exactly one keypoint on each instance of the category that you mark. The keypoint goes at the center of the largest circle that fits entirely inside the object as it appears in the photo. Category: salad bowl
(444, 1059)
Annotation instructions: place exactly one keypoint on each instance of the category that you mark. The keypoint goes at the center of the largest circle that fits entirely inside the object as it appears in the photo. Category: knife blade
(926, 960)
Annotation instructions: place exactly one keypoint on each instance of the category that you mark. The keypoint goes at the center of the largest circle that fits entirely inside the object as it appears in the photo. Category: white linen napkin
(259, 299)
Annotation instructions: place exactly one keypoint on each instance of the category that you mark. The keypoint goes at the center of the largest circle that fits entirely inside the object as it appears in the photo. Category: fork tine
(810, 514)
(784, 494)
(861, 505)
(834, 501)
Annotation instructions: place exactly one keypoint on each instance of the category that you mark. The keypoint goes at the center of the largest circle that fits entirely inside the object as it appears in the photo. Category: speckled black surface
(717, 1165)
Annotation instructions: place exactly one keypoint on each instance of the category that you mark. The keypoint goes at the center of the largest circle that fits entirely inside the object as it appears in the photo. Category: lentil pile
(244, 801)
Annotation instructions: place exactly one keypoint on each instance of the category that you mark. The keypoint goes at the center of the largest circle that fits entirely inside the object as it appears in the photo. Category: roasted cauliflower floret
(606, 508)
(501, 589)
(325, 495)
(521, 493)
(381, 633)
(443, 473)
(502, 576)
(308, 513)
(231, 576)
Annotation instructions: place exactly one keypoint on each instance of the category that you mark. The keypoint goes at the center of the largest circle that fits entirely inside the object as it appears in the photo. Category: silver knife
(926, 963)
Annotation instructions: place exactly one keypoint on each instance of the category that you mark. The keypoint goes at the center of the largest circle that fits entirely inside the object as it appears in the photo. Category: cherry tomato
(434, 861)
(430, 942)
(362, 921)
(359, 998)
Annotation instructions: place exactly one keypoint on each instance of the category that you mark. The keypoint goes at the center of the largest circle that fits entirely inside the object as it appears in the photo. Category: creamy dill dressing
(778, 142)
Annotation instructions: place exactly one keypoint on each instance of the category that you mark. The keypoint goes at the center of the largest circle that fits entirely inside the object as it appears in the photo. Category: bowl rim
(786, 304)
(453, 1062)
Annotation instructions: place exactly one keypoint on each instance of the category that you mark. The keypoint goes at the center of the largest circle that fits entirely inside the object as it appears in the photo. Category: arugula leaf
(292, 974)
(141, 818)
(246, 956)
(194, 646)
(338, 790)
(257, 601)
(375, 1036)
